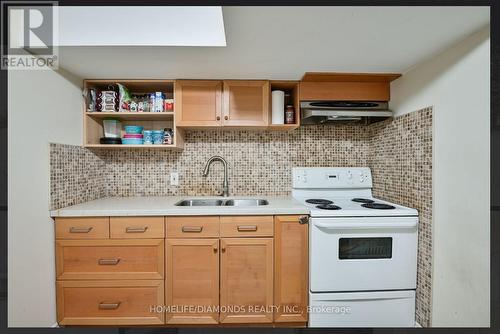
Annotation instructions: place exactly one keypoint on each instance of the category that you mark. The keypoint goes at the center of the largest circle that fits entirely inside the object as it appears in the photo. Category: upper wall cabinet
(198, 102)
(246, 103)
(229, 103)
(346, 86)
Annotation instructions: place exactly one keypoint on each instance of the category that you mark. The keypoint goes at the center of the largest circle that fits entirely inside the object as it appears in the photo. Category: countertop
(164, 206)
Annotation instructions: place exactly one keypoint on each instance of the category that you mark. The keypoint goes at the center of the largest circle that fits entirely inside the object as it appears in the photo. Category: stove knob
(361, 179)
(349, 175)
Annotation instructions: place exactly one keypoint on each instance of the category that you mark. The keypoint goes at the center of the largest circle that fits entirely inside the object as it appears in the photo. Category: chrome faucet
(225, 185)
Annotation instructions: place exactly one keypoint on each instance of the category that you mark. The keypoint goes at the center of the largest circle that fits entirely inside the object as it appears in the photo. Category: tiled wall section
(399, 152)
(259, 162)
(401, 162)
(76, 175)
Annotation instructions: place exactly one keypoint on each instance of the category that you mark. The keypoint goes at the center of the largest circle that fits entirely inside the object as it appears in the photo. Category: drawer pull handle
(109, 306)
(108, 262)
(247, 228)
(80, 229)
(136, 229)
(195, 229)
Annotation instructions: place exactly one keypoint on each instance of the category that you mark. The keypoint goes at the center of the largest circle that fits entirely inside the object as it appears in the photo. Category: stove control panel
(331, 178)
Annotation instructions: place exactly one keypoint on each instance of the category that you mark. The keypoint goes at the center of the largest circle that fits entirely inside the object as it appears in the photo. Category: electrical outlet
(174, 179)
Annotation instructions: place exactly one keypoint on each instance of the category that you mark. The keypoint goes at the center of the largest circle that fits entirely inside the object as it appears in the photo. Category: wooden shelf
(291, 89)
(133, 116)
(118, 146)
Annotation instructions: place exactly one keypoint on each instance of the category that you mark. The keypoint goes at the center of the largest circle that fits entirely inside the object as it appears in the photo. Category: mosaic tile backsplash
(401, 162)
(399, 152)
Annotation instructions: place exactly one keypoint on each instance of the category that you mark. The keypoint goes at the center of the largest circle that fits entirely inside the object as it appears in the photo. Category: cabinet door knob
(217, 118)
(223, 249)
(226, 117)
(215, 249)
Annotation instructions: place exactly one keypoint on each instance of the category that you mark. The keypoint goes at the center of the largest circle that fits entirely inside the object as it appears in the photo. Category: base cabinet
(124, 302)
(192, 281)
(291, 243)
(246, 280)
(203, 270)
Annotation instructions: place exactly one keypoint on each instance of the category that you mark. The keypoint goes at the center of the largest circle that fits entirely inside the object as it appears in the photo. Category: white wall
(457, 84)
(43, 107)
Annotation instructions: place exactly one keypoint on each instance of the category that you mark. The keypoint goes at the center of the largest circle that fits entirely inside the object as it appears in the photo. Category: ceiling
(285, 42)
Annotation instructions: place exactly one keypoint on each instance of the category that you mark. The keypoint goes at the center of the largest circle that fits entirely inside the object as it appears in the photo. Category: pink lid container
(129, 135)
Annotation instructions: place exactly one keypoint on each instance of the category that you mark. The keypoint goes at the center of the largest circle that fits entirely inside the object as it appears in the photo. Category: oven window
(365, 248)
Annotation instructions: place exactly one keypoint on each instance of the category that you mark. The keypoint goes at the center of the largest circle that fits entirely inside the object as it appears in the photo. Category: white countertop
(164, 206)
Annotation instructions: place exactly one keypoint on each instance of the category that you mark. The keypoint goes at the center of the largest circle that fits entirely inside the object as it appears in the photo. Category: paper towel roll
(278, 106)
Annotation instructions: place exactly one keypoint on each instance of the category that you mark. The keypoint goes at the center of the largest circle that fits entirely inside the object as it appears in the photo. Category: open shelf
(132, 116)
(291, 89)
(118, 146)
(93, 120)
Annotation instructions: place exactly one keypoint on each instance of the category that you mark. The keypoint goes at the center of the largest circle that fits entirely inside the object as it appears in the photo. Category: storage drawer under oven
(362, 309)
(363, 253)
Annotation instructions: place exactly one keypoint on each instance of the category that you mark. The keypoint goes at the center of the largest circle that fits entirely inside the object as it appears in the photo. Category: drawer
(109, 302)
(192, 227)
(110, 259)
(82, 228)
(246, 226)
(136, 227)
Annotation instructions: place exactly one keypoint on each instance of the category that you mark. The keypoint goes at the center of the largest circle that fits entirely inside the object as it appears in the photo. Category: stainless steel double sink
(223, 202)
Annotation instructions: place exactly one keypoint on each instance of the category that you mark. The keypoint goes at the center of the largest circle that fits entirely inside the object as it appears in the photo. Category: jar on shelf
(289, 114)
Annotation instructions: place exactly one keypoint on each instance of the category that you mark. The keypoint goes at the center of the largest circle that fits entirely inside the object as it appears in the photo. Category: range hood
(325, 112)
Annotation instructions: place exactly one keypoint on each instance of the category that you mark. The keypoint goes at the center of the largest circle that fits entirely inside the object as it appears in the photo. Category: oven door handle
(364, 226)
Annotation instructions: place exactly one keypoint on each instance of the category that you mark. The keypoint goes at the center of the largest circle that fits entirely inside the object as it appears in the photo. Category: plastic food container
(132, 141)
(148, 137)
(134, 135)
(112, 128)
(133, 129)
(157, 137)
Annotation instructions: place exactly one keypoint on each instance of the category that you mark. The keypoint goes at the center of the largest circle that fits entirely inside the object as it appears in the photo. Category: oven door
(363, 253)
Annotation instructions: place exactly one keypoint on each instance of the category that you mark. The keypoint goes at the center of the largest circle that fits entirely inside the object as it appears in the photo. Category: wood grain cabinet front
(198, 103)
(291, 268)
(110, 259)
(246, 226)
(192, 227)
(123, 302)
(137, 227)
(82, 227)
(246, 103)
(246, 281)
(192, 280)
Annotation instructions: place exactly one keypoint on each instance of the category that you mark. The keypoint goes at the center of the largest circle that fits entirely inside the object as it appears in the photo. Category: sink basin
(220, 202)
(246, 202)
(200, 202)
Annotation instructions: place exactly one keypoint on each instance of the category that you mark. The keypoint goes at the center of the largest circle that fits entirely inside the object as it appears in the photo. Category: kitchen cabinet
(291, 269)
(116, 302)
(246, 280)
(198, 103)
(238, 269)
(228, 103)
(246, 103)
(192, 280)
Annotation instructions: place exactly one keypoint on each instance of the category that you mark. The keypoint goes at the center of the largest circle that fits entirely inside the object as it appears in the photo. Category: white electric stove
(363, 251)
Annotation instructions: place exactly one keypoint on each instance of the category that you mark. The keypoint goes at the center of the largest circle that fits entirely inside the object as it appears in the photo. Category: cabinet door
(192, 280)
(291, 269)
(246, 103)
(246, 280)
(198, 103)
